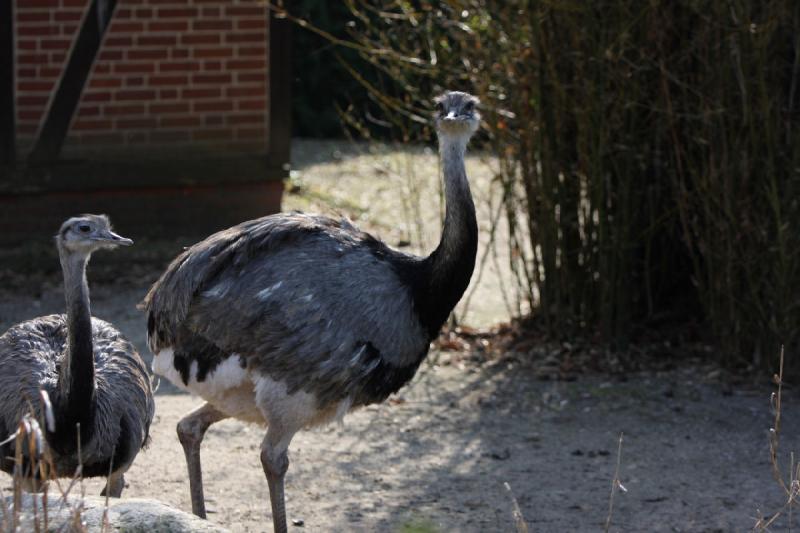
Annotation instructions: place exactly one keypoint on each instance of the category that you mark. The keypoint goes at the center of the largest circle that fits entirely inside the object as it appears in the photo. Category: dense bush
(320, 85)
(649, 150)
(324, 89)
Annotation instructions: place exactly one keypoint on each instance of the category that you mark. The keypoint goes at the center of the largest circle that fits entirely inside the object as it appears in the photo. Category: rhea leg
(114, 485)
(191, 430)
(275, 460)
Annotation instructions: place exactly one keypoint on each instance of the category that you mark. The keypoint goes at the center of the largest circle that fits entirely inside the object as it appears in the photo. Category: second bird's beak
(113, 238)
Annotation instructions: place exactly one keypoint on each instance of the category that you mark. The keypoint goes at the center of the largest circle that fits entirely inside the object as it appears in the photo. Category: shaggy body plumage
(292, 319)
(327, 336)
(93, 376)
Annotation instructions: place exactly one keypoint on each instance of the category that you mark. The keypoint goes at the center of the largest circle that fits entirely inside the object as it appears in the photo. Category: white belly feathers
(228, 387)
(247, 395)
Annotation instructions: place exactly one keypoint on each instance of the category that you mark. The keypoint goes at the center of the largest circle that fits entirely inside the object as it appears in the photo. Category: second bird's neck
(76, 377)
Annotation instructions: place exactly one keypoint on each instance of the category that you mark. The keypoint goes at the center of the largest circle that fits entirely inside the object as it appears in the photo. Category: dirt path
(436, 457)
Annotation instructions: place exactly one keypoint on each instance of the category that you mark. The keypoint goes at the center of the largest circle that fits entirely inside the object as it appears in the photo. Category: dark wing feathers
(307, 300)
(167, 302)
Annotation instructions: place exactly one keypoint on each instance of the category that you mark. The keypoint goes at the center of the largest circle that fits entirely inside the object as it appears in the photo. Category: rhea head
(85, 234)
(456, 114)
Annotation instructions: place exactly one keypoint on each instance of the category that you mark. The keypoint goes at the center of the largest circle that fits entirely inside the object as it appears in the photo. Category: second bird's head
(457, 114)
(86, 233)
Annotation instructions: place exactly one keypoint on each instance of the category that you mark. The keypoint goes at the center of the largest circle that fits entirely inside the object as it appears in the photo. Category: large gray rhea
(292, 320)
(99, 387)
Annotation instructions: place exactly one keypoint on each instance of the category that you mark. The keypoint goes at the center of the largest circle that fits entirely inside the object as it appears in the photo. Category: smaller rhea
(100, 389)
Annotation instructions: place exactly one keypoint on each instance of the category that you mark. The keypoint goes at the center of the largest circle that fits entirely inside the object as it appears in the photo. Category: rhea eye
(440, 108)
(84, 228)
(469, 107)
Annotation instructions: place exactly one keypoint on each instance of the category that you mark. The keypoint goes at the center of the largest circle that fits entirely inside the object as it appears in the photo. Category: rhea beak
(451, 115)
(112, 238)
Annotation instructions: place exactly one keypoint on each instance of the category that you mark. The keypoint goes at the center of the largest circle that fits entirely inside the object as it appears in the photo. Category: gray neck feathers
(459, 221)
(76, 378)
(453, 260)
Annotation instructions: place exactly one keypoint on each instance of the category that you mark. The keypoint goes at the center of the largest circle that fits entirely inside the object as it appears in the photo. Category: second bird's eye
(84, 228)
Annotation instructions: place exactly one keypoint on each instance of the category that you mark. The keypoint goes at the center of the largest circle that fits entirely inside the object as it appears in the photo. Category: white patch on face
(266, 293)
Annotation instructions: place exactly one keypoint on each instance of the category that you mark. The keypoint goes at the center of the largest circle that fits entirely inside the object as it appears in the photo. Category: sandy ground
(436, 457)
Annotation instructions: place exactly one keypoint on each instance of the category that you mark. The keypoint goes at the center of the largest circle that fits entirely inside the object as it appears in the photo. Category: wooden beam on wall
(280, 89)
(7, 118)
(70, 86)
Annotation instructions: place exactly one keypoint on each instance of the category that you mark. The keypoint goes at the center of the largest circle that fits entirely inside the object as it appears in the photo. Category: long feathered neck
(453, 261)
(76, 388)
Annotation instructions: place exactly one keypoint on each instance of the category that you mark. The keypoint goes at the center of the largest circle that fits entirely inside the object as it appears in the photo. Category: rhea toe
(98, 385)
(292, 320)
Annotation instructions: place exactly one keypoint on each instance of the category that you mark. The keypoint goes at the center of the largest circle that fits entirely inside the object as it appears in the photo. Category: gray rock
(128, 515)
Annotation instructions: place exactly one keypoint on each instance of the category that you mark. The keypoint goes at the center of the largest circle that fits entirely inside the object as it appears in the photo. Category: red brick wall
(173, 75)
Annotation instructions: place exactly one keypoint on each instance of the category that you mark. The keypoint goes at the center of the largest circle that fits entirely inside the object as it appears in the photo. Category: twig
(490, 245)
(519, 519)
(615, 484)
(281, 12)
(47, 411)
(19, 475)
(106, 523)
(791, 496)
(775, 431)
(792, 489)
(79, 507)
(35, 441)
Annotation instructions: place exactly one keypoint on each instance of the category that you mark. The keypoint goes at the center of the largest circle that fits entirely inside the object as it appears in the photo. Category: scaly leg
(191, 430)
(114, 485)
(275, 460)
